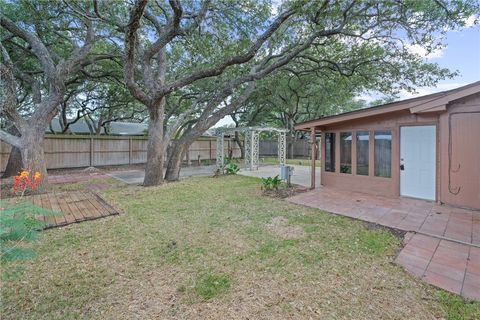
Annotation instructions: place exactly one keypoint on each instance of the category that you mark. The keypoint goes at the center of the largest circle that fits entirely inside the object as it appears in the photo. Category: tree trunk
(14, 164)
(240, 145)
(156, 146)
(175, 157)
(33, 157)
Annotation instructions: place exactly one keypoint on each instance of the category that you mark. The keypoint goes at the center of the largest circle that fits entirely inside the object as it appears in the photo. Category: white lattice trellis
(220, 151)
(252, 142)
(248, 149)
(255, 151)
(282, 148)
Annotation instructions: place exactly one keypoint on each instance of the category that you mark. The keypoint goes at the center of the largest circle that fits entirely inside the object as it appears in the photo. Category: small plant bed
(284, 191)
(274, 187)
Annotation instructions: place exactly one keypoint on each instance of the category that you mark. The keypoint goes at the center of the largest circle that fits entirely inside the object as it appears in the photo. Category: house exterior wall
(460, 153)
(463, 117)
(372, 184)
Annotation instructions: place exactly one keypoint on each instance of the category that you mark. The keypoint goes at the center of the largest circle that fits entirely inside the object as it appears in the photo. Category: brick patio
(452, 266)
(442, 243)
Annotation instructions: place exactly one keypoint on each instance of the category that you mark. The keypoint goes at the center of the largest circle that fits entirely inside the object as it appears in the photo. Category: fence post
(91, 151)
(130, 150)
(210, 150)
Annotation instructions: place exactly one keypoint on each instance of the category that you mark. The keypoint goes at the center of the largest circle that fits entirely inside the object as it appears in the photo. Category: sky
(462, 53)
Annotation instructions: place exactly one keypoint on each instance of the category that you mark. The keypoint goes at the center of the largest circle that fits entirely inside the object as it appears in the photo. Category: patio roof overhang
(436, 102)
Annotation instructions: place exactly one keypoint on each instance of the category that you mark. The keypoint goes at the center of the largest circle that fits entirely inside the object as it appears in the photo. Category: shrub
(271, 183)
(230, 167)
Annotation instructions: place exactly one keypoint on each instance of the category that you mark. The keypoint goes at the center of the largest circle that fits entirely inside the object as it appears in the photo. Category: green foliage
(230, 167)
(345, 169)
(376, 242)
(456, 308)
(271, 183)
(211, 285)
(19, 223)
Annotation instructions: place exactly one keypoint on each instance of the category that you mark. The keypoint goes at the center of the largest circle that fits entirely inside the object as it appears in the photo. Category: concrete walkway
(301, 174)
(442, 244)
(136, 176)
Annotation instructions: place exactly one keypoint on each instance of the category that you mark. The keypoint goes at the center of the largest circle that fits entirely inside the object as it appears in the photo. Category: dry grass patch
(216, 249)
(280, 227)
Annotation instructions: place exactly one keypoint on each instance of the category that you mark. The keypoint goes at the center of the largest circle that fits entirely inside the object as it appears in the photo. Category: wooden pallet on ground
(73, 206)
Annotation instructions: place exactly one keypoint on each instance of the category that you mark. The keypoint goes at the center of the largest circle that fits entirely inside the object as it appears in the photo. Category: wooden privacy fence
(299, 148)
(76, 151)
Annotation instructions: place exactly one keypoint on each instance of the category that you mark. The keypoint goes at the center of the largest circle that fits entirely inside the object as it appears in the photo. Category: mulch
(285, 192)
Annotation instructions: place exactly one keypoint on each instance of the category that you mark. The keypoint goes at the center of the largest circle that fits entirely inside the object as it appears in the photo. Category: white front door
(417, 161)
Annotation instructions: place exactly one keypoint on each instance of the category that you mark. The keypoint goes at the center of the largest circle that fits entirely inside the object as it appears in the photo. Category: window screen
(362, 153)
(330, 151)
(383, 153)
(346, 152)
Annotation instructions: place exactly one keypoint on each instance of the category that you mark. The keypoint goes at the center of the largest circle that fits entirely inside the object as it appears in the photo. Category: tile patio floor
(452, 266)
(442, 243)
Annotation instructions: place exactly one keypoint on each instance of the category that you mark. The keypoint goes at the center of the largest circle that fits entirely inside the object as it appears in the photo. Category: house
(426, 147)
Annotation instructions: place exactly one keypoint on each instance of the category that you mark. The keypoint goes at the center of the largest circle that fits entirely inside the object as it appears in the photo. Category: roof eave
(431, 103)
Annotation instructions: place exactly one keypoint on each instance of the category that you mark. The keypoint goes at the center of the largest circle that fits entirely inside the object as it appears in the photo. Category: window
(362, 153)
(330, 151)
(346, 152)
(383, 153)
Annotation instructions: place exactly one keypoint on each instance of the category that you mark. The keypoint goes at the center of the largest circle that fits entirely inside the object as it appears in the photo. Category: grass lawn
(300, 162)
(214, 248)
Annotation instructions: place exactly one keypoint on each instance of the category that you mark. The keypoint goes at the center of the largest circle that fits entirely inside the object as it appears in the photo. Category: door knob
(402, 167)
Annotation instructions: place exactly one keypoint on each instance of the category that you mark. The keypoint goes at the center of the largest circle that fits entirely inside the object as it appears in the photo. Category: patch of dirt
(287, 192)
(6, 188)
(280, 227)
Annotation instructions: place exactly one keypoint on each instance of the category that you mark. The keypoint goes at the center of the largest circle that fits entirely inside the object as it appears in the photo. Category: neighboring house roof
(128, 128)
(430, 103)
(115, 128)
(79, 127)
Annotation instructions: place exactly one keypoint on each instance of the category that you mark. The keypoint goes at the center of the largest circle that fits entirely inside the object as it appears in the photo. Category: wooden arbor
(251, 145)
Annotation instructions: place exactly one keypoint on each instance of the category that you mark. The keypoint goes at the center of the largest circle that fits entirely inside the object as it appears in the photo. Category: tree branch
(130, 39)
(38, 48)
(235, 60)
(10, 139)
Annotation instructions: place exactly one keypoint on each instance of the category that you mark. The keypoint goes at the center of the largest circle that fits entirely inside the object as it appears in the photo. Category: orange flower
(22, 181)
(24, 174)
